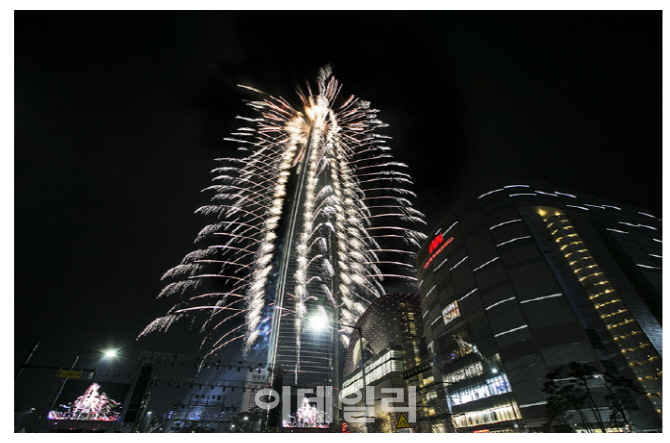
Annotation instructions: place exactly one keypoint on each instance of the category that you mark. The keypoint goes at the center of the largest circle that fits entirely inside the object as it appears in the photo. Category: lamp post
(365, 395)
(320, 322)
(106, 354)
(25, 362)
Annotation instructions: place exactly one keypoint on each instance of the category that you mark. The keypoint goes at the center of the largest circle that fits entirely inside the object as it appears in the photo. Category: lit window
(450, 312)
(494, 386)
(494, 415)
(464, 373)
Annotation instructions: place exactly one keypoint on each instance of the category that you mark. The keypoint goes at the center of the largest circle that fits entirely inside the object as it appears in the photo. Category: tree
(573, 391)
(556, 409)
(249, 421)
(619, 393)
(563, 398)
(583, 374)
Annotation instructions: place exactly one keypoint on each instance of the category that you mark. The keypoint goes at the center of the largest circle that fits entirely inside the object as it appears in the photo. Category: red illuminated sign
(437, 241)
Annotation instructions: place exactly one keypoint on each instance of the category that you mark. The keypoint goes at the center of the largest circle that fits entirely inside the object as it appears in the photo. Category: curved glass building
(523, 280)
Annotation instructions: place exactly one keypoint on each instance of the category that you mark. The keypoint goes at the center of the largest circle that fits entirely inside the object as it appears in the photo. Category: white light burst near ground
(316, 214)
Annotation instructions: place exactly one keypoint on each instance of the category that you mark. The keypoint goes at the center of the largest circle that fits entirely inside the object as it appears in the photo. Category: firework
(314, 219)
(93, 405)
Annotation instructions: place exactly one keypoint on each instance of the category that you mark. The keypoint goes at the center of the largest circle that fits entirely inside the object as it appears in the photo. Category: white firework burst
(314, 215)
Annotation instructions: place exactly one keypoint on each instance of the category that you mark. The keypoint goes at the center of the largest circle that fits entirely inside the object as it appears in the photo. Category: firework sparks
(93, 405)
(314, 216)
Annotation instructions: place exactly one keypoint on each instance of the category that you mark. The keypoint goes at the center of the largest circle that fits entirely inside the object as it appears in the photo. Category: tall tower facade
(525, 279)
(307, 225)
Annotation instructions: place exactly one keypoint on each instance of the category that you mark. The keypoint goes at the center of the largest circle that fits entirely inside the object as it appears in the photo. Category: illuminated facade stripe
(510, 330)
(468, 294)
(441, 263)
(459, 263)
(489, 193)
(449, 228)
(512, 240)
(435, 321)
(544, 297)
(500, 302)
(504, 223)
(647, 266)
(521, 194)
(537, 403)
(487, 263)
(546, 193)
(616, 230)
(638, 225)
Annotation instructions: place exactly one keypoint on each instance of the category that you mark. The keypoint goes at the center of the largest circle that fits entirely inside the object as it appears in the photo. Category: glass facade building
(523, 280)
(394, 353)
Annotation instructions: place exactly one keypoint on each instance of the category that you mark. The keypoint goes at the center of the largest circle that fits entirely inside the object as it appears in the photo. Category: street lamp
(319, 322)
(365, 385)
(106, 354)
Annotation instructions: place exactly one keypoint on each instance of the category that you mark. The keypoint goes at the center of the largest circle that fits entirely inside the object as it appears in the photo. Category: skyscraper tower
(306, 227)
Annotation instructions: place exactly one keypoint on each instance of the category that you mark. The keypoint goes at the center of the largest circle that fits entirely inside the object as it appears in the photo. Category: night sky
(119, 116)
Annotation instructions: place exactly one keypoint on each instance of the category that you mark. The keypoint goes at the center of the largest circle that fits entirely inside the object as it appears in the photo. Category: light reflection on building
(531, 280)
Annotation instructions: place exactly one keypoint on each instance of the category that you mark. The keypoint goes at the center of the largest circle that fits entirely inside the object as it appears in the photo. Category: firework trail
(314, 217)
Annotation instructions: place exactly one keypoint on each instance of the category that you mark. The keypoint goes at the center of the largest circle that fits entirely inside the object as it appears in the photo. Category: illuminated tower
(307, 225)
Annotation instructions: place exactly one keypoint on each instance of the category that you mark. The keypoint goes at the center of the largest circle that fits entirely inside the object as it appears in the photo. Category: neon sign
(437, 241)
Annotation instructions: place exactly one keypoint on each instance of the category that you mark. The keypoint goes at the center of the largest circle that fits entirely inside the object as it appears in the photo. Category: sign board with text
(64, 373)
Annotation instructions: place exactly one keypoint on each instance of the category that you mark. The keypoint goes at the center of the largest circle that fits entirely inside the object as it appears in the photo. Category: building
(186, 393)
(256, 380)
(307, 223)
(388, 338)
(525, 279)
